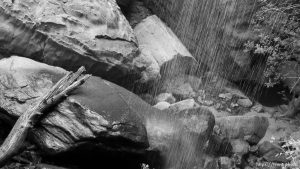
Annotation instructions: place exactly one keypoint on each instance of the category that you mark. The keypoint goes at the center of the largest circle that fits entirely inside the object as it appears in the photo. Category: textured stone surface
(102, 115)
(69, 34)
(136, 12)
(168, 97)
(125, 3)
(226, 96)
(218, 146)
(162, 105)
(225, 162)
(250, 128)
(245, 102)
(181, 86)
(183, 105)
(240, 147)
(159, 45)
(184, 148)
(214, 37)
(95, 111)
(272, 153)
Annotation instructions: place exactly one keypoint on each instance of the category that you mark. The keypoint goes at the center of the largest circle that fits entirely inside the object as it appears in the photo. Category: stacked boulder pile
(240, 124)
(178, 123)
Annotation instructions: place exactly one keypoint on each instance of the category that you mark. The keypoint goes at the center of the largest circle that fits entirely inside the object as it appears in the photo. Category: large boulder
(213, 31)
(251, 128)
(160, 50)
(70, 34)
(92, 112)
(101, 115)
(181, 138)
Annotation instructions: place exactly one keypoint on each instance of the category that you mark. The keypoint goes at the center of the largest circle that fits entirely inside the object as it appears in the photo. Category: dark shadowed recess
(87, 157)
(6, 123)
(125, 5)
(267, 96)
(170, 69)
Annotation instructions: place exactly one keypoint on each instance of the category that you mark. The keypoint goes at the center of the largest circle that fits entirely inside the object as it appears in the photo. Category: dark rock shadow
(279, 94)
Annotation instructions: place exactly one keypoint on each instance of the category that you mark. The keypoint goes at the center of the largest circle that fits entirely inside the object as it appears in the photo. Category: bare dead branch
(13, 143)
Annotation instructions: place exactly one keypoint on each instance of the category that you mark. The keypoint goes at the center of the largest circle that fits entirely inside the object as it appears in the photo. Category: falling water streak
(211, 43)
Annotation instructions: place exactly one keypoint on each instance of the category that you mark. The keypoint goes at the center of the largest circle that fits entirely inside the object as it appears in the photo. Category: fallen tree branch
(13, 143)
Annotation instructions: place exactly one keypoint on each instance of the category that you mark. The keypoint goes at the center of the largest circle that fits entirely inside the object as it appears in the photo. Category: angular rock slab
(160, 46)
(95, 111)
(69, 34)
(102, 114)
(213, 31)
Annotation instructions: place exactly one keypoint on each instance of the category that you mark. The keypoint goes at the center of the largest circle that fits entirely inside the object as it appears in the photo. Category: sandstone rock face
(214, 37)
(101, 115)
(159, 45)
(69, 34)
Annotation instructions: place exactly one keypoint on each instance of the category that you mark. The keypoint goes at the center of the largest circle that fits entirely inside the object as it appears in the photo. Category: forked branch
(13, 143)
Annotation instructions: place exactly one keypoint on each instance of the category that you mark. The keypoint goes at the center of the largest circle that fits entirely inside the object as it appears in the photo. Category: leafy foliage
(278, 25)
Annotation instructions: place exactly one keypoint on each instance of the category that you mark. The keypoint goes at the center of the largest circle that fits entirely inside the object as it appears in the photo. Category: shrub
(278, 25)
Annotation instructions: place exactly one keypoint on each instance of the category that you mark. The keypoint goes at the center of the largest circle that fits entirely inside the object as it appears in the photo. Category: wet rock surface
(198, 119)
(183, 105)
(239, 129)
(168, 97)
(245, 102)
(70, 34)
(101, 117)
(240, 147)
(83, 116)
(158, 46)
(272, 152)
(136, 12)
(162, 105)
(181, 86)
(218, 42)
(249, 128)
(187, 149)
